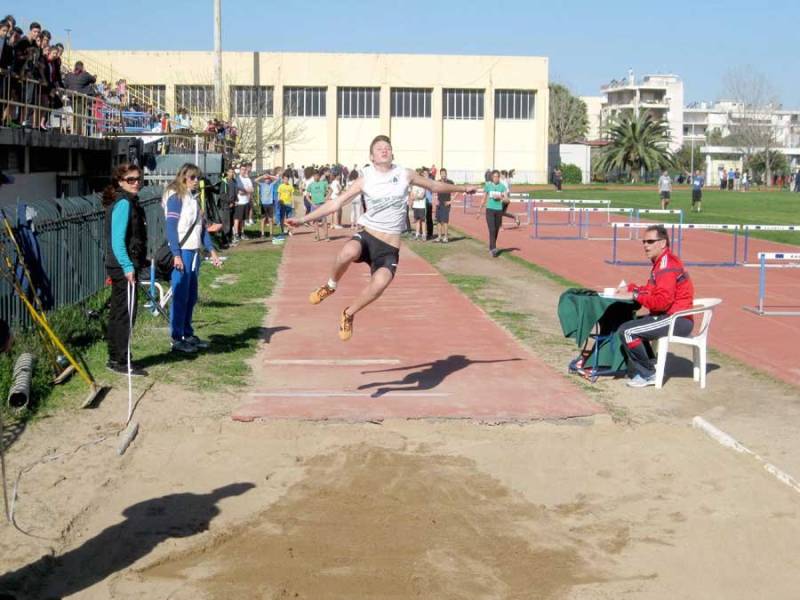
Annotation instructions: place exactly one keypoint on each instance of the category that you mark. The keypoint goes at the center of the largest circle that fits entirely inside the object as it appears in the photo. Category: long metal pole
(218, 57)
(691, 174)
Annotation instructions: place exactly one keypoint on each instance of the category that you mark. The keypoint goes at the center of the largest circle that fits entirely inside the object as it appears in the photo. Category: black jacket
(135, 235)
(82, 82)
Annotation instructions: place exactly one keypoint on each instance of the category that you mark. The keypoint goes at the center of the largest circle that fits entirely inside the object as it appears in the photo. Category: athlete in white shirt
(385, 189)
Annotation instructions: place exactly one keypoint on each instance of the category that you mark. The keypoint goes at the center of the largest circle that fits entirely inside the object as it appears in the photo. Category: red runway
(764, 342)
(422, 350)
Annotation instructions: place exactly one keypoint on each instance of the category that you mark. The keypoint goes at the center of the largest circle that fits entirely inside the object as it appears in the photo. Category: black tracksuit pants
(118, 321)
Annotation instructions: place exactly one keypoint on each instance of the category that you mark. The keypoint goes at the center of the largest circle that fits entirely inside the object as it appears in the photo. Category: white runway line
(365, 394)
(729, 442)
(326, 362)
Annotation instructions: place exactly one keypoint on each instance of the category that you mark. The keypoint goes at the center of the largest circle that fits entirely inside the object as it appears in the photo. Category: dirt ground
(636, 504)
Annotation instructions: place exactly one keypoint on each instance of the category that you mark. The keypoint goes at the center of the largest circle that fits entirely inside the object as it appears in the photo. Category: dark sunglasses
(648, 242)
(131, 180)
(192, 178)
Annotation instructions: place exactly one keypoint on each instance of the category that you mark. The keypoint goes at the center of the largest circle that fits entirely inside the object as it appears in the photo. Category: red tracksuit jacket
(669, 289)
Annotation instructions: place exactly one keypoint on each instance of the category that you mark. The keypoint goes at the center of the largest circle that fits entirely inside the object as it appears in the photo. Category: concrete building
(594, 111)
(701, 119)
(466, 113)
(661, 95)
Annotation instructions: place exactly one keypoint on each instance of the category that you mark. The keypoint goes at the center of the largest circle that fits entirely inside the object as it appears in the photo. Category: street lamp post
(218, 57)
(69, 46)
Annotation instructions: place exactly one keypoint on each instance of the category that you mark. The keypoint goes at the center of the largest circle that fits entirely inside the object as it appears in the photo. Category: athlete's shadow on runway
(431, 375)
(501, 251)
(146, 525)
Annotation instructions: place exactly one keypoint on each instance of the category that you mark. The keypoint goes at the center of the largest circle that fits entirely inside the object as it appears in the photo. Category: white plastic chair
(702, 306)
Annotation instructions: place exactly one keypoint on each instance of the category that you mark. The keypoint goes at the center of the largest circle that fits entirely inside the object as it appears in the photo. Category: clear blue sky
(588, 42)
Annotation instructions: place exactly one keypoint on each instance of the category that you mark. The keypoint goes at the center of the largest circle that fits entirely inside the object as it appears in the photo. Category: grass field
(229, 313)
(755, 207)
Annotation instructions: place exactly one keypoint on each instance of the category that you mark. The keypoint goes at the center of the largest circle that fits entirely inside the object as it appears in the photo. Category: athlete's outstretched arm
(439, 187)
(330, 207)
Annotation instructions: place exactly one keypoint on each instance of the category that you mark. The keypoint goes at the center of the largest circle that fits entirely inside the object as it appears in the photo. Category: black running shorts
(377, 253)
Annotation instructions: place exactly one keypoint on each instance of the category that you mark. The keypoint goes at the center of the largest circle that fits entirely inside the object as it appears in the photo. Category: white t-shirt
(664, 183)
(417, 197)
(243, 197)
(335, 189)
(385, 194)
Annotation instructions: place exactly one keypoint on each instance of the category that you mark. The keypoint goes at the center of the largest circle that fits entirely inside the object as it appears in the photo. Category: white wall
(355, 136)
(463, 144)
(412, 142)
(515, 145)
(573, 154)
(311, 147)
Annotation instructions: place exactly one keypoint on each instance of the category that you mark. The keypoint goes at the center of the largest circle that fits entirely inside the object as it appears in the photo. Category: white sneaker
(639, 382)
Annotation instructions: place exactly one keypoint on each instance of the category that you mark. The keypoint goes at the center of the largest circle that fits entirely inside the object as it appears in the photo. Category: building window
(358, 102)
(304, 101)
(154, 96)
(412, 103)
(251, 101)
(463, 104)
(513, 104)
(197, 99)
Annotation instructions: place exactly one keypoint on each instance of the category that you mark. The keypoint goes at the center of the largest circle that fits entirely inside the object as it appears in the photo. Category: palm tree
(636, 143)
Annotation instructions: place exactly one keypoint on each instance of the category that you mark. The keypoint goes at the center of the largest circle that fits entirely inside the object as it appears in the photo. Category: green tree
(682, 158)
(758, 165)
(636, 143)
(569, 121)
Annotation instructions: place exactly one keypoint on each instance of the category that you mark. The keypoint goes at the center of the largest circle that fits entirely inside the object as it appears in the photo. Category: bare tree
(751, 123)
(568, 116)
(275, 133)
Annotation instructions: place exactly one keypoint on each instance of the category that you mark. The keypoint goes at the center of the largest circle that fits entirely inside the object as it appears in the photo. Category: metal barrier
(761, 309)
(27, 101)
(71, 236)
(583, 216)
(748, 228)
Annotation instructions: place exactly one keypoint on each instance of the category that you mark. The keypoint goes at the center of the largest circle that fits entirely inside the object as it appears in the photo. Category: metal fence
(72, 238)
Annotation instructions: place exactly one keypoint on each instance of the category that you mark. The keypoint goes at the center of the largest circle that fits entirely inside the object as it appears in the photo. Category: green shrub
(571, 174)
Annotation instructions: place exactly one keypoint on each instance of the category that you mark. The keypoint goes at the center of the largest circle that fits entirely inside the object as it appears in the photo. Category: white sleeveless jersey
(386, 196)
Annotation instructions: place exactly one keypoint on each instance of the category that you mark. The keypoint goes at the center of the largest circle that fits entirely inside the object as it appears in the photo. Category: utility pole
(218, 57)
(69, 47)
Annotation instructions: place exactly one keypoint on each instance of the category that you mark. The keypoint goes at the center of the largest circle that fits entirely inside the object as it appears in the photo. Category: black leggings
(494, 219)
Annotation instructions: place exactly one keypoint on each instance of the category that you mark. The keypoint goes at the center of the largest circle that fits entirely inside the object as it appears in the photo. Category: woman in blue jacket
(186, 235)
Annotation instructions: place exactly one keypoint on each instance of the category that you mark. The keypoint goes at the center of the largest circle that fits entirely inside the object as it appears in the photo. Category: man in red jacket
(669, 290)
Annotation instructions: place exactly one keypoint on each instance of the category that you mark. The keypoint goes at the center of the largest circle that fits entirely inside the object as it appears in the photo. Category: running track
(767, 343)
(422, 350)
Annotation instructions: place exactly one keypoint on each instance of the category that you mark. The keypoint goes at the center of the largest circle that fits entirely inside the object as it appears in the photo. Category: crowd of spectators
(38, 91)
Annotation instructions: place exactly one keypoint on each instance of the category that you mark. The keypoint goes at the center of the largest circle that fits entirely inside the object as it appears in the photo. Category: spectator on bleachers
(80, 80)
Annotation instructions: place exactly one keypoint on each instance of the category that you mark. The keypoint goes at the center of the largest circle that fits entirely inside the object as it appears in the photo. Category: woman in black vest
(126, 254)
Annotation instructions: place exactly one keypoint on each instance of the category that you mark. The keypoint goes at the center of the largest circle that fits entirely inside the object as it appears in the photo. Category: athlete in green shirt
(318, 190)
(496, 193)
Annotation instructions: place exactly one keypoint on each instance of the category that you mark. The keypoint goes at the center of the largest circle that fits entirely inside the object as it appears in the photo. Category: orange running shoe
(319, 294)
(345, 326)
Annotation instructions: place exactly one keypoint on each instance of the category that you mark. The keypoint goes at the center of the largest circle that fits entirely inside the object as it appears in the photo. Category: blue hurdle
(615, 260)
(748, 228)
(711, 227)
(763, 265)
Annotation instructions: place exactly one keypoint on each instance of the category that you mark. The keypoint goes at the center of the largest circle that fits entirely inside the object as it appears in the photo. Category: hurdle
(631, 212)
(748, 228)
(572, 203)
(537, 210)
(710, 227)
(763, 265)
(615, 260)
